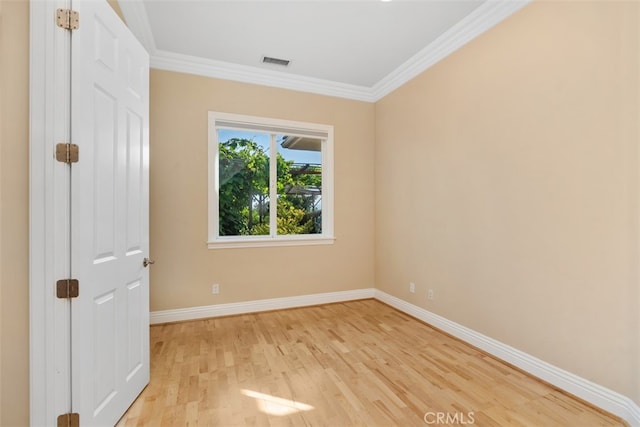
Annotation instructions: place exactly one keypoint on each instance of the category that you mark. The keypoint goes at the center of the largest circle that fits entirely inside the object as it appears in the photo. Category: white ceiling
(354, 49)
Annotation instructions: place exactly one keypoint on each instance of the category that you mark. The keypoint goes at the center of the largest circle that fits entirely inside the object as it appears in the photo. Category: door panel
(110, 208)
(104, 354)
(105, 140)
(136, 334)
(135, 172)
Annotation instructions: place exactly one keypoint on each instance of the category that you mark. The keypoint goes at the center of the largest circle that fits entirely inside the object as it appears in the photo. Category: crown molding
(171, 61)
(477, 22)
(487, 15)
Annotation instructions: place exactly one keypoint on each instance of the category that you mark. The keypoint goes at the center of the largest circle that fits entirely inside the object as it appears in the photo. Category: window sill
(229, 243)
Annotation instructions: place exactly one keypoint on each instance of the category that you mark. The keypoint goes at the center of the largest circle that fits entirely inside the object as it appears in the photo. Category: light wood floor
(360, 363)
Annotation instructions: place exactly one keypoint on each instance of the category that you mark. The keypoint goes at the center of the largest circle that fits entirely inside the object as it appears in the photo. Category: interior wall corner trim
(217, 310)
(593, 393)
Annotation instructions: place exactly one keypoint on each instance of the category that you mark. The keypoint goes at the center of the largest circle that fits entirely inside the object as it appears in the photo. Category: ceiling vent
(275, 61)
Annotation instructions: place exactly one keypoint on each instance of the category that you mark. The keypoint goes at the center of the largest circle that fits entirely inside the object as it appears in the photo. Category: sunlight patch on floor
(277, 406)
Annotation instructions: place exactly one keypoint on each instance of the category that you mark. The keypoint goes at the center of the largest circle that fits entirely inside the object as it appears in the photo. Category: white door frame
(50, 390)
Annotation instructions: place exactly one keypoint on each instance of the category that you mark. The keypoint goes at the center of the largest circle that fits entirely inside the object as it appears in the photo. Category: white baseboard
(595, 394)
(218, 310)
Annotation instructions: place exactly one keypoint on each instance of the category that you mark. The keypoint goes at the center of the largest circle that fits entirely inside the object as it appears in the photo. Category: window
(270, 182)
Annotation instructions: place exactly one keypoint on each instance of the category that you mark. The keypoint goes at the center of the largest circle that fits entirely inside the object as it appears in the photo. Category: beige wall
(507, 180)
(2, 97)
(185, 268)
(14, 219)
(2, 84)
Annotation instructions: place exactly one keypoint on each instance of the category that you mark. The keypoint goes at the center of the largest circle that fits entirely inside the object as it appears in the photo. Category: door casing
(50, 213)
(49, 184)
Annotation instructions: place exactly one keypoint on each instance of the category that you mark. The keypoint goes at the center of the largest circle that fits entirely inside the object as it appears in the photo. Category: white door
(109, 215)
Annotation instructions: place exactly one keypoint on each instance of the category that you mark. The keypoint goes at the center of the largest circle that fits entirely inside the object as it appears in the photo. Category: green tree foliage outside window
(244, 203)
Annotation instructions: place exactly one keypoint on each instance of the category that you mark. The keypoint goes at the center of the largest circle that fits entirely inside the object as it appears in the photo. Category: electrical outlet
(215, 289)
(430, 294)
(412, 287)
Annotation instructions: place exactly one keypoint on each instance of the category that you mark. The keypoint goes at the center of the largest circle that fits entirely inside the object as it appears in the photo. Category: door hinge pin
(69, 420)
(68, 19)
(67, 288)
(67, 153)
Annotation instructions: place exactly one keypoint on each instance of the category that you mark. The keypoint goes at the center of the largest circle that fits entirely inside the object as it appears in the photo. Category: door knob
(147, 261)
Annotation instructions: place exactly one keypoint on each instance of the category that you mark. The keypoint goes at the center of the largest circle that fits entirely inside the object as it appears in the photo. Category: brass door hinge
(69, 420)
(67, 19)
(67, 153)
(67, 288)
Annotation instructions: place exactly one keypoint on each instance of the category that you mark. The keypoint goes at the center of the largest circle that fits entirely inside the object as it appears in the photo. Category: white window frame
(218, 121)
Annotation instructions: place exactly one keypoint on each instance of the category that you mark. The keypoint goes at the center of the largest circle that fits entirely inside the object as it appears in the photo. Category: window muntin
(271, 182)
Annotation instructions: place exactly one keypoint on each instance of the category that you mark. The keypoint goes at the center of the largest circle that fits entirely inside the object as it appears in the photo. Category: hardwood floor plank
(360, 363)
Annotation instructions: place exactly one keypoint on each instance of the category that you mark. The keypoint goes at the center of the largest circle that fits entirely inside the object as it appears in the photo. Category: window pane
(244, 183)
(299, 185)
